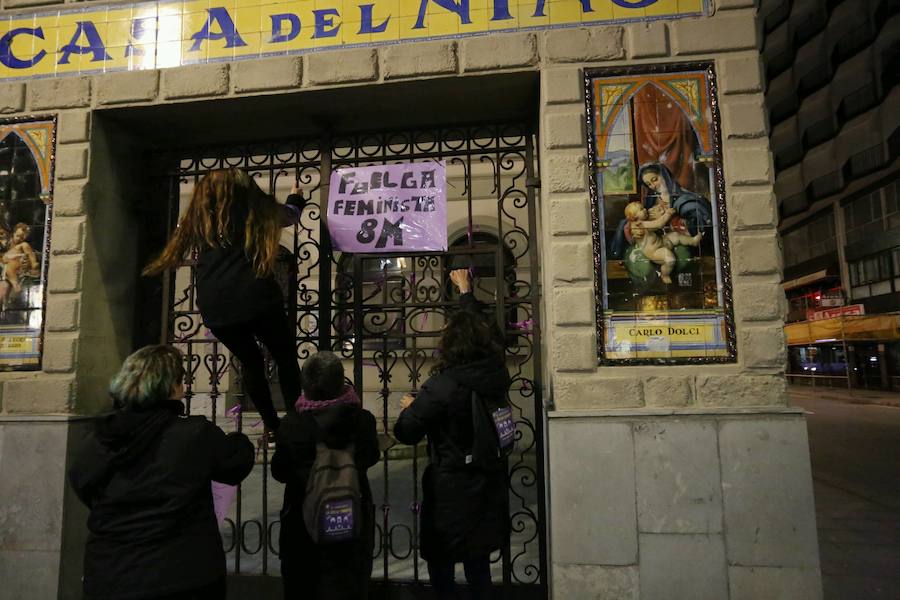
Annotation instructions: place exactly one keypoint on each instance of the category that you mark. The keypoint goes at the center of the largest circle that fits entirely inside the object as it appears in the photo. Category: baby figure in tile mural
(646, 231)
(18, 260)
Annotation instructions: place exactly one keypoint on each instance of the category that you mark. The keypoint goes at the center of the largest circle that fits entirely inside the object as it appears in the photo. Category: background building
(664, 465)
(834, 110)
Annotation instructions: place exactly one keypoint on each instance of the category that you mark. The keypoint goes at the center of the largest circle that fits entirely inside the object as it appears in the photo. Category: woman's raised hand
(406, 401)
(295, 189)
(460, 278)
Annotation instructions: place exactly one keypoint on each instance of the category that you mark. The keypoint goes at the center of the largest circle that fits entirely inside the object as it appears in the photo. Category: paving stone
(60, 92)
(567, 171)
(276, 73)
(72, 162)
(570, 215)
(62, 312)
(774, 583)
(486, 53)
(741, 390)
(683, 566)
(678, 485)
(753, 209)
(68, 198)
(767, 484)
(12, 98)
(565, 130)
(763, 346)
(593, 510)
(134, 86)
(574, 392)
(572, 261)
(581, 44)
(668, 391)
(591, 582)
(574, 306)
(562, 85)
(740, 75)
(32, 489)
(419, 60)
(346, 66)
(74, 127)
(720, 34)
(45, 395)
(756, 254)
(759, 301)
(195, 81)
(648, 40)
(29, 574)
(574, 350)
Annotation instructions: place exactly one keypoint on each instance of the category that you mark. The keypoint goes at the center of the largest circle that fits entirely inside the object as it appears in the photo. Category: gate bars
(383, 313)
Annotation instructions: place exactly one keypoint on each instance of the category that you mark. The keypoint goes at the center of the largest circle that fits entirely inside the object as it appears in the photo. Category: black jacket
(339, 570)
(146, 478)
(228, 290)
(465, 509)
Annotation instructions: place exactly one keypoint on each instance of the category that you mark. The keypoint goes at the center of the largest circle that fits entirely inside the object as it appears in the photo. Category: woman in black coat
(145, 473)
(465, 513)
(330, 412)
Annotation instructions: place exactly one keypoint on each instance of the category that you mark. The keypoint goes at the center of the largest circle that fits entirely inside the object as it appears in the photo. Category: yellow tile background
(179, 19)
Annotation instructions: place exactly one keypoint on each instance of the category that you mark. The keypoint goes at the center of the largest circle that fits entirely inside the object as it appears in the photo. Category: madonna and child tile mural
(660, 235)
(26, 163)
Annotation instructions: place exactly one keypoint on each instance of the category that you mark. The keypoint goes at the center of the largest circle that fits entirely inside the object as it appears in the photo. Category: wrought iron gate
(383, 313)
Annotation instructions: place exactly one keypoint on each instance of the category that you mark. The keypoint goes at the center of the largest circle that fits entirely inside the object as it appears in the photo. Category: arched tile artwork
(659, 220)
(26, 175)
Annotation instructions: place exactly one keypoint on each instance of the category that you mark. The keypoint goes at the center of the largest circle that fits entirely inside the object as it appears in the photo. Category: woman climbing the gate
(235, 228)
(465, 511)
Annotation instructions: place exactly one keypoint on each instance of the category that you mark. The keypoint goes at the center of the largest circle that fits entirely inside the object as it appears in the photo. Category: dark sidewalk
(855, 448)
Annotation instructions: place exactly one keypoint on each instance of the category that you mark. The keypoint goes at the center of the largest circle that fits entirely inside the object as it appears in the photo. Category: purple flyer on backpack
(386, 208)
(337, 520)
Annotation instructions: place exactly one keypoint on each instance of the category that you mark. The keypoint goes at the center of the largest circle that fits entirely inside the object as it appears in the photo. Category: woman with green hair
(145, 473)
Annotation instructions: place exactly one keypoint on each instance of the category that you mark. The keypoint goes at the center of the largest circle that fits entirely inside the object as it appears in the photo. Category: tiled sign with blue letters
(168, 34)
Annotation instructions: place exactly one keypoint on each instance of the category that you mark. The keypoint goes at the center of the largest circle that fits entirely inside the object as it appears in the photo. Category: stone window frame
(588, 75)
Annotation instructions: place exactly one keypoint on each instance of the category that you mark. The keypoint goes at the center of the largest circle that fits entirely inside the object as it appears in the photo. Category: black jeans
(276, 334)
(478, 576)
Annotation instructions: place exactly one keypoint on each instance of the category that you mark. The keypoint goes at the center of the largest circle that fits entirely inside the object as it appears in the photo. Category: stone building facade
(834, 110)
(662, 481)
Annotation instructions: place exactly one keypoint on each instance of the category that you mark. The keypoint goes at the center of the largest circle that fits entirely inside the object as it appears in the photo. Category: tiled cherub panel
(661, 253)
(26, 169)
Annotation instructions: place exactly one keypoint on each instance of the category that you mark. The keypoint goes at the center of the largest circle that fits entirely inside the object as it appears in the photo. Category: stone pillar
(87, 333)
(36, 420)
(671, 481)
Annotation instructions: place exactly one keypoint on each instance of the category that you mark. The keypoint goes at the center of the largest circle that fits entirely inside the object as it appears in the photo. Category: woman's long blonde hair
(207, 221)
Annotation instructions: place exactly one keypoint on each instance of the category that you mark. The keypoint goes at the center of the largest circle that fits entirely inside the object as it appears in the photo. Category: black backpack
(493, 433)
(332, 507)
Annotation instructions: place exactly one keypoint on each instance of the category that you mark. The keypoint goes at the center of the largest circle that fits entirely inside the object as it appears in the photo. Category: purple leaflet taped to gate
(389, 208)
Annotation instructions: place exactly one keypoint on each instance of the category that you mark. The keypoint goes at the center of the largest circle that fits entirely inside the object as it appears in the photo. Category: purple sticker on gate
(389, 208)
(505, 425)
(337, 520)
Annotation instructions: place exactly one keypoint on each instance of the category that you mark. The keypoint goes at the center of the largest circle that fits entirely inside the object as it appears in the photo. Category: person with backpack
(145, 473)
(322, 453)
(463, 410)
(235, 230)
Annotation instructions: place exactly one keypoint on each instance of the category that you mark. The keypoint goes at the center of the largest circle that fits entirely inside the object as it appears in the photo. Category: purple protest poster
(389, 208)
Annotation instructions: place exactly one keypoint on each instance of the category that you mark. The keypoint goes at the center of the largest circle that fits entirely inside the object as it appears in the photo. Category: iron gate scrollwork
(383, 314)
